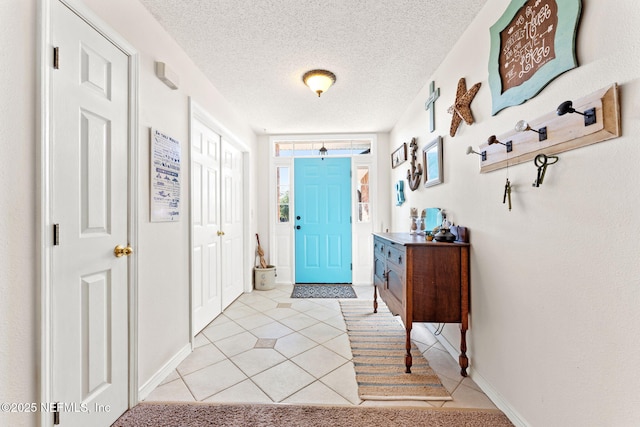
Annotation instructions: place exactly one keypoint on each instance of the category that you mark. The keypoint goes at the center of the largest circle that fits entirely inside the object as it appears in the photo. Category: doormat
(323, 291)
(378, 347)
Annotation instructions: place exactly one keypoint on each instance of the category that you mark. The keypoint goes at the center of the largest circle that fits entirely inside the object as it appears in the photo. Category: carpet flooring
(323, 291)
(262, 415)
(378, 348)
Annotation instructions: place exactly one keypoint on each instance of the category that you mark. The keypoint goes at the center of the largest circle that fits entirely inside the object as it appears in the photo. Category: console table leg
(408, 360)
(463, 359)
(375, 299)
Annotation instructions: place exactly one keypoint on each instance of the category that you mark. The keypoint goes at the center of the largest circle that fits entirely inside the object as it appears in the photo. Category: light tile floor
(267, 347)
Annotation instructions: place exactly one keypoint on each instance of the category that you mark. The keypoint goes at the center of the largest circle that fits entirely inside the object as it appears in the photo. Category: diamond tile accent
(265, 343)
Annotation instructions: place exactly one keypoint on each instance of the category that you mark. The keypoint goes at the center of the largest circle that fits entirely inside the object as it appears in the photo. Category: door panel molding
(323, 211)
(44, 191)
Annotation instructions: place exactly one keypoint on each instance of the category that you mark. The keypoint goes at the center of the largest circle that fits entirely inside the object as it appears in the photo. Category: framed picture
(399, 156)
(532, 43)
(432, 160)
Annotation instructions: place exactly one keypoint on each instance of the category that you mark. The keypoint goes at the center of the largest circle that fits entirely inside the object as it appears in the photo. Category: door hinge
(56, 58)
(56, 414)
(56, 234)
(351, 266)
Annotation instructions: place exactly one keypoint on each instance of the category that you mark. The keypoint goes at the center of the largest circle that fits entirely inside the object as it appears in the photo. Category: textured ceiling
(256, 51)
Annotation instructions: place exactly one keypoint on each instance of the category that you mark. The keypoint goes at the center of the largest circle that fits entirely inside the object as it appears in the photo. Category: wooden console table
(423, 282)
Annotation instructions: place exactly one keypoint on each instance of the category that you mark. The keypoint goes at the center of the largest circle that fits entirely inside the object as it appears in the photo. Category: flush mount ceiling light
(319, 80)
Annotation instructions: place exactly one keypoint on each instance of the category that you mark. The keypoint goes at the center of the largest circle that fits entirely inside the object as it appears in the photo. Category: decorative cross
(430, 105)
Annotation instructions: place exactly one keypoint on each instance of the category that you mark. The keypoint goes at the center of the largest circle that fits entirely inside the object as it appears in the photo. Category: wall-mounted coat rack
(564, 133)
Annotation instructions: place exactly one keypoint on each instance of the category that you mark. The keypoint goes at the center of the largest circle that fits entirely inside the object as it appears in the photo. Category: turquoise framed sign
(532, 43)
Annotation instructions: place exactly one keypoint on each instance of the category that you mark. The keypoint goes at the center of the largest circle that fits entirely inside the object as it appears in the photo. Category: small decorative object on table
(413, 227)
(444, 234)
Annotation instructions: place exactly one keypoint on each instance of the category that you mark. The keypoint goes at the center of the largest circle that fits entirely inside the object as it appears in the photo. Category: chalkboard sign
(531, 44)
(527, 43)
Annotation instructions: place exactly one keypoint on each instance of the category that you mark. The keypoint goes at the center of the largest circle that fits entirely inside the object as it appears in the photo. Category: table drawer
(396, 255)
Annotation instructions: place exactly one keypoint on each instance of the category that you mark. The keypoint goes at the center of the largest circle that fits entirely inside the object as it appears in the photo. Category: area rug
(264, 415)
(378, 347)
(323, 291)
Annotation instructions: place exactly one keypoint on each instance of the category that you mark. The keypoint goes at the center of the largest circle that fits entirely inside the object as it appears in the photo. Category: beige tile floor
(269, 348)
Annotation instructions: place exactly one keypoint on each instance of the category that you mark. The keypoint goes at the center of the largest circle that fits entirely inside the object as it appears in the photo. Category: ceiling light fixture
(319, 80)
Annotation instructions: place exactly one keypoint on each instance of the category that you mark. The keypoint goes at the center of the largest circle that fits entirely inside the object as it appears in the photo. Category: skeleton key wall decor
(542, 161)
(507, 193)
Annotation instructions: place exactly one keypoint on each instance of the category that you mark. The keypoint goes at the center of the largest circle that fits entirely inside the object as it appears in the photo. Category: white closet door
(205, 208)
(232, 215)
(89, 190)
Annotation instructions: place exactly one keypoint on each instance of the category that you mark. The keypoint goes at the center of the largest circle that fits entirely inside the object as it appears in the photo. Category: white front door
(232, 219)
(89, 201)
(205, 208)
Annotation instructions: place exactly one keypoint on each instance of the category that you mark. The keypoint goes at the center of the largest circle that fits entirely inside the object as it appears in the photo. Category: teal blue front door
(323, 220)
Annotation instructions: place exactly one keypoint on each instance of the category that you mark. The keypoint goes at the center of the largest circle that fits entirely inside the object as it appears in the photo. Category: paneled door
(206, 230)
(322, 220)
(217, 251)
(232, 213)
(89, 202)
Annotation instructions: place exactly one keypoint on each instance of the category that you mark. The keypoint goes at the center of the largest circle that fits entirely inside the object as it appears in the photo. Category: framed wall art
(531, 44)
(399, 156)
(432, 160)
(165, 177)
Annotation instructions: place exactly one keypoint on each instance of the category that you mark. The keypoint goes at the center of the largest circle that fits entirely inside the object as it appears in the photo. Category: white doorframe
(198, 112)
(275, 229)
(45, 57)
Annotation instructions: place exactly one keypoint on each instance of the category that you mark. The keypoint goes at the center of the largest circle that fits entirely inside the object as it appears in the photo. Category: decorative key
(542, 161)
(507, 193)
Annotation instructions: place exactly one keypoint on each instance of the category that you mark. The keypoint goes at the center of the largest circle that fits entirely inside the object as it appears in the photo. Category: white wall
(555, 283)
(163, 275)
(18, 302)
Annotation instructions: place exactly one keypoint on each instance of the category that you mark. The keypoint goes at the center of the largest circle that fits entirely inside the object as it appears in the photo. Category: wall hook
(483, 155)
(523, 126)
(493, 140)
(567, 107)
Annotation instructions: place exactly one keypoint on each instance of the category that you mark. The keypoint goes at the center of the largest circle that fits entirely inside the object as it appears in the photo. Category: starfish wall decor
(461, 109)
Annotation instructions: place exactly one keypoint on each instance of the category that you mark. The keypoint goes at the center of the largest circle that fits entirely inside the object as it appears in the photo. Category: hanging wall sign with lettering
(165, 177)
(531, 44)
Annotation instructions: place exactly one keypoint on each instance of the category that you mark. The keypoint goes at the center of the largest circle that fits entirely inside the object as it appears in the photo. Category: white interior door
(89, 192)
(205, 208)
(232, 220)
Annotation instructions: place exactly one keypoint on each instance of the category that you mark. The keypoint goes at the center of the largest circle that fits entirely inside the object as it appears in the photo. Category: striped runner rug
(378, 347)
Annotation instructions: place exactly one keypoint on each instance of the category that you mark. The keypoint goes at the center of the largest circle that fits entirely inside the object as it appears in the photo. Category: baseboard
(159, 376)
(481, 382)
(499, 401)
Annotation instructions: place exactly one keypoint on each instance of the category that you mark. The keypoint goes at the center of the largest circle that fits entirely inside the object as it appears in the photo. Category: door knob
(220, 233)
(120, 251)
(297, 227)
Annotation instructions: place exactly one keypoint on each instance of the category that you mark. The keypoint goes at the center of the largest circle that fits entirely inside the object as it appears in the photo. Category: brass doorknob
(122, 251)
(220, 233)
